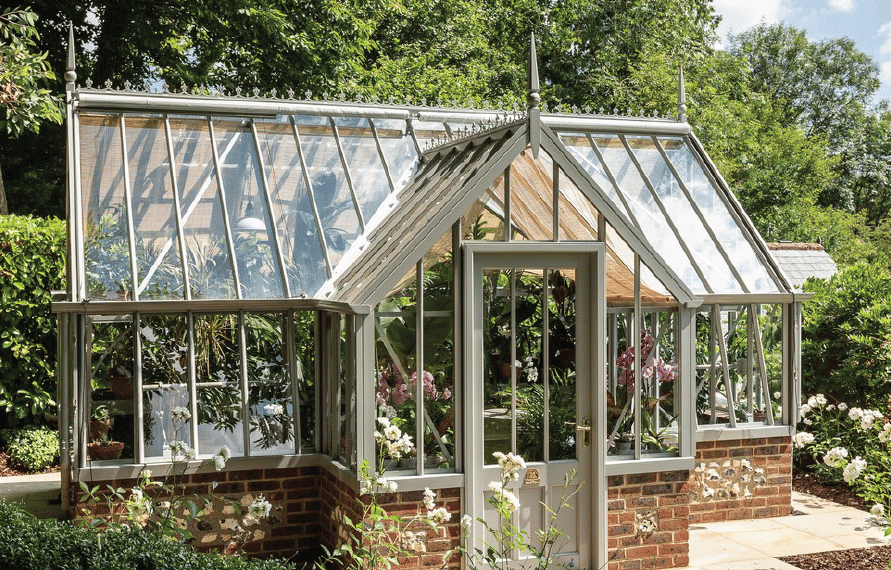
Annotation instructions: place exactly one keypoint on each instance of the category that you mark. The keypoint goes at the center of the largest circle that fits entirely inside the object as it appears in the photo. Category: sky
(867, 22)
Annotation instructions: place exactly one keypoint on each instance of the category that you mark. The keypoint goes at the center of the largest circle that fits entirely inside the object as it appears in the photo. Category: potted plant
(100, 422)
(104, 449)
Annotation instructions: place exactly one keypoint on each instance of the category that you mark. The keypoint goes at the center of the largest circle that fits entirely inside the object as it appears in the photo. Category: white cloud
(885, 30)
(842, 5)
(885, 73)
(740, 15)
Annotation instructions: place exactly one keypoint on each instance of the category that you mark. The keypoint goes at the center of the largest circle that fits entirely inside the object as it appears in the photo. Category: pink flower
(446, 394)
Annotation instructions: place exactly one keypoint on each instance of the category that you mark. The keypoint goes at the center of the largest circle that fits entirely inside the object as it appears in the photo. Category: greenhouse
(579, 288)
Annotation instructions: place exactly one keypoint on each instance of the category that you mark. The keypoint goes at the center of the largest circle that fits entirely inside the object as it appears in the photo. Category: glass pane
(562, 410)
(218, 373)
(531, 390)
(652, 222)
(659, 431)
(395, 346)
(679, 209)
(209, 262)
(532, 197)
(111, 365)
(711, 401)
(333, 201)
(439, 340)
(165, 363)
(269, 386)
(298, 232)
(577, 215)
(258, 267)
(498, 339)
(399, 149)
(159, 267)
(718, 216)
(366, 169)
(107, 253)
(580, 147)
(304, 376)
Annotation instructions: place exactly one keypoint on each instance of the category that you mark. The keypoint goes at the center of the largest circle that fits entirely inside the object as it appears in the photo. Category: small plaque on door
(532, 477)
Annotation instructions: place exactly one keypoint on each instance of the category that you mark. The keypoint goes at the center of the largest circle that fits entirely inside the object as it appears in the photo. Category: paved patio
(817, 525)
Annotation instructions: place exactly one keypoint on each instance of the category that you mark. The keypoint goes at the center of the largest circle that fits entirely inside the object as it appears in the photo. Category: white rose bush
(849, 445)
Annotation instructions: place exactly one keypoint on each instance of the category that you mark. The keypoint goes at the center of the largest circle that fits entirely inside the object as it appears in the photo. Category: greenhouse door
(534, 309)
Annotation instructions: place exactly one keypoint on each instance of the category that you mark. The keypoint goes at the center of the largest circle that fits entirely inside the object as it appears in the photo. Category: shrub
(27, 543)
(32, 264)
(845, 349)
(32, 448)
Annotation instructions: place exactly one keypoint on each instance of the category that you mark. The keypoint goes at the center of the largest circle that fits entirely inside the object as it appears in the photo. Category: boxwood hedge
(27, 543)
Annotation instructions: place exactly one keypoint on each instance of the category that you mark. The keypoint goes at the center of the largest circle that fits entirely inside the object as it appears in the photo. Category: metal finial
(533, 98)
(682, 97)
(70, 73)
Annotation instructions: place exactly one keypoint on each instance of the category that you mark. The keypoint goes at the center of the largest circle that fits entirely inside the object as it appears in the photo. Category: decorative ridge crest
(474, 129)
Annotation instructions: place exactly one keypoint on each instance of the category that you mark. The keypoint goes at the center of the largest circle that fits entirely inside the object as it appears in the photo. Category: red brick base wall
(291, 530)
(338, 500)
(647, 521)
(741, 479)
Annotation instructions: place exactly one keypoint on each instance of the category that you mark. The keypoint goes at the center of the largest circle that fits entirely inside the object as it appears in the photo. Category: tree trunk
(4, 207)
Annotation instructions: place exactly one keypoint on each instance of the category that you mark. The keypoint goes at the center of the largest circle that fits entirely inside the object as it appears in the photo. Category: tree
(25, 100)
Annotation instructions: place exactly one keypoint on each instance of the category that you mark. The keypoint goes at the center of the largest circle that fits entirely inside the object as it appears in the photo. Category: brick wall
(647, 521)
(741, 479)
(339, 499)
(291, 529)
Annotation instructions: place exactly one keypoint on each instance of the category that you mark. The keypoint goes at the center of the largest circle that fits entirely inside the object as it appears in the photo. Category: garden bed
(9, 469)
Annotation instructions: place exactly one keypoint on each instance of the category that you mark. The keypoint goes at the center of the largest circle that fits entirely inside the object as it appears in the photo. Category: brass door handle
(585, 428)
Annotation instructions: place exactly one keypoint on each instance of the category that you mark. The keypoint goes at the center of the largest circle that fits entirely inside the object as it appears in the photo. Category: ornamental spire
(682, 97)
(533, 98)
(70, 73)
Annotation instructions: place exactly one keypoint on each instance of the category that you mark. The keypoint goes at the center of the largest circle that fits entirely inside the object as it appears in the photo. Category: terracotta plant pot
(101, 451)
(121, 387)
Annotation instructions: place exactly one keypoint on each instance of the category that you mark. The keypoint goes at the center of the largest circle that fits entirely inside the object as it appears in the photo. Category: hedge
(27, 543)
(32, 265)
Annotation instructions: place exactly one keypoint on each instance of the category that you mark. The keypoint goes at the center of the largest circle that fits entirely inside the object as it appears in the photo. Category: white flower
(877, 510)
(807, 422)
(386, 485)
(429, 497)
(830, 407)
(777, 395)
(219, 462)
(510, 500)
(835, 455)
(260, 507)
(188, 453)
(885, 434)
(392, 432)
(855, 414)
(842, 406)
(802, 439)
(466, 522)
(273, 409)
(146, 473)
(180, 413)
(225, 453)
(812, 402)
(821, 399)
(496, 486)
(853, 469)
(136, 494)
(440, 515)
(804, 409)
(384, 422)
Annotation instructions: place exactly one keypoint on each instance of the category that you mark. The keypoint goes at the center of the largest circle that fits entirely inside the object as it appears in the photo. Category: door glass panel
(561, 385)
(497, 345)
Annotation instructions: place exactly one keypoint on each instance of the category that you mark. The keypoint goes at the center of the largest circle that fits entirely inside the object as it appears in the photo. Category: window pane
(218, 372)
(111, 407)
(269, 386)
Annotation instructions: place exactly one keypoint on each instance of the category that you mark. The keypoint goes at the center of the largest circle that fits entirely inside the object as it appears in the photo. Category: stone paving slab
(817, 525)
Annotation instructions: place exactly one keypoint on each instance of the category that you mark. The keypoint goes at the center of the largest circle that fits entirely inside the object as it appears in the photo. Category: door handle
(585, 428)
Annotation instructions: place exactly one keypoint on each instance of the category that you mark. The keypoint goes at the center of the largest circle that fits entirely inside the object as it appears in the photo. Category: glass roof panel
(580, 147)
(254, 240)
(678, 208)
(331, 194)
(207, 249)
(366, 169)
(107, 255)
(620, 276)
(154, 213)
(717, 214)
(646, 211)
(296, 222)
(398, 148)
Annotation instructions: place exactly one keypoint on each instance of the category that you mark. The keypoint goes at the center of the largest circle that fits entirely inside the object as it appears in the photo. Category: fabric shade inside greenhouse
(330, 206)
